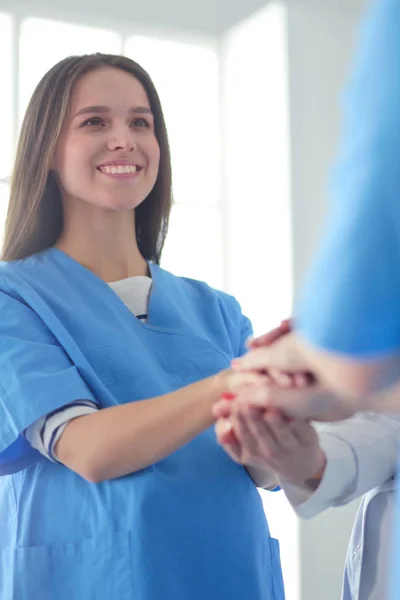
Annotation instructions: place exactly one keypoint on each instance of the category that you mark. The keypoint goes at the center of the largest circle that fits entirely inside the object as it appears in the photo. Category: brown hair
(35, 217)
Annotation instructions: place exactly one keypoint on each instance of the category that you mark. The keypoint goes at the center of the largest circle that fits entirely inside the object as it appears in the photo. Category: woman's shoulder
(23, 268)
(198, 289)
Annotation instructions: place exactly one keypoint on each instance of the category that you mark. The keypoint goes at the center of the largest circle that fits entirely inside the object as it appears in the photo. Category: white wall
(320, 38)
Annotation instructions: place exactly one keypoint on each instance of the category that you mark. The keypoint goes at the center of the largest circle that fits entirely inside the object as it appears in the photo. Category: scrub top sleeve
(246, 331)
(36, 375)
(351, 298)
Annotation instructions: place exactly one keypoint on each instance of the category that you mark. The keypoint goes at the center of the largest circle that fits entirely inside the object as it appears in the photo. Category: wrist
(219, 384)
(314, 481)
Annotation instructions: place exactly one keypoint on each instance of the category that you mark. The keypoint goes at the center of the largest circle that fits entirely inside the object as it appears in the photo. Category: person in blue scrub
(347, 320)
(113, 484)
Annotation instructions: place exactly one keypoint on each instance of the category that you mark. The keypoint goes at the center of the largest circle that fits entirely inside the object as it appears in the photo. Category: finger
(248, 443)
(300, 380)
(267, 379)
(258, 359)
(305, 379)
(304, 432)
(282, 378)
(224, 432)
(281, 430)
(257, 398)
(271, 336)
(222, 409)
(272, 397)
(227, 439)
(239, 381)
(283, 355)
(267, 444)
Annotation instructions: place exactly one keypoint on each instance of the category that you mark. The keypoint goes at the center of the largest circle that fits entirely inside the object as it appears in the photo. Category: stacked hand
(253, 429)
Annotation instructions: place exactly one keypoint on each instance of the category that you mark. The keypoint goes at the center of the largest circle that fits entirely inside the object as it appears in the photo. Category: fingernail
(228, 396)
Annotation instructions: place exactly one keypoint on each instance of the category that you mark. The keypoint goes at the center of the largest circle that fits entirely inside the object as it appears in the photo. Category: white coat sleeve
(361, 453)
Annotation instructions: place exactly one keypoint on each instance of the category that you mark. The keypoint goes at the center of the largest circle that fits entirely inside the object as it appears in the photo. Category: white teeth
(118, 169)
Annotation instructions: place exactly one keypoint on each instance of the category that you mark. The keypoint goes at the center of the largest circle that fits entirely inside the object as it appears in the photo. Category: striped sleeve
(44, 433)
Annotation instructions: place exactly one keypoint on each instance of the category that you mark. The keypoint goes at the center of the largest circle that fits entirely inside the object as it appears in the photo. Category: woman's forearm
(354, 379)
(116, 441)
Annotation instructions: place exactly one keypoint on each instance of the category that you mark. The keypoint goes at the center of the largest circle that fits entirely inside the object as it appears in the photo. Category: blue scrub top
(190, 526)
(351, 300)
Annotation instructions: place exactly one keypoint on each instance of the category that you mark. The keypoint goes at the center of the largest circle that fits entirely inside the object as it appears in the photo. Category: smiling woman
(75, 144)
(110, 366)
(112, 139)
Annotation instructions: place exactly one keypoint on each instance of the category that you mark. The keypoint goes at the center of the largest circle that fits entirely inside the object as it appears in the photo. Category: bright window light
(187, 80)
(6, 96)
(62, 40)
(193, 246)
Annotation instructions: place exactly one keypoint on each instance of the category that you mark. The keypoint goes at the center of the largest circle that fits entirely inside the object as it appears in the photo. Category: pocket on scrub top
(94, 569)
(278, 589)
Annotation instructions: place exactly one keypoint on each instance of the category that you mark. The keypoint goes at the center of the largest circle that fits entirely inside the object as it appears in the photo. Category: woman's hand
(282, 378)
(309, 404)
(266, 439)
(283, 353)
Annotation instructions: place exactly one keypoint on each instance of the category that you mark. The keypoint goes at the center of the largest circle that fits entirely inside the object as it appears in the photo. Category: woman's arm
(113, 442)
(355, 386)
(356, 379)
(345, 460)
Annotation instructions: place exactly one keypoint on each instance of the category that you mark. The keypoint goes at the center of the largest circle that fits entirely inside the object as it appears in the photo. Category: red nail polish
(228, 396)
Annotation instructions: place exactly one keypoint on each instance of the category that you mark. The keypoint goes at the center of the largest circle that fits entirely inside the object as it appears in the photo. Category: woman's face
(108, 155)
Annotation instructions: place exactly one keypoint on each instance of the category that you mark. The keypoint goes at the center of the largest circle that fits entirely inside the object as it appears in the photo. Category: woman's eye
(94, 122)
(140, 122)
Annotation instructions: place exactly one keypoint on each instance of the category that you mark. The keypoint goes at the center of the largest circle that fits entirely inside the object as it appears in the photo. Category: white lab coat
(362, 458)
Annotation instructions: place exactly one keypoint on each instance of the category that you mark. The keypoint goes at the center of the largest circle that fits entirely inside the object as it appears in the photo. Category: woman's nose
(121, 139)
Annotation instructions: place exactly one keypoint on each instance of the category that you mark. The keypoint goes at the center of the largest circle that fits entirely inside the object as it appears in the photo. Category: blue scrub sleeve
(246, 331)
(351, 299)
(36, 375)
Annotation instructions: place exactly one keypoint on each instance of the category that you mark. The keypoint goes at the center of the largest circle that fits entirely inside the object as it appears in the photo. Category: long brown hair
(35, 217)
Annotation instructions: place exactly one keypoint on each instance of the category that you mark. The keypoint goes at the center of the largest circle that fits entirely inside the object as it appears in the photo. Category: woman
(109, 367)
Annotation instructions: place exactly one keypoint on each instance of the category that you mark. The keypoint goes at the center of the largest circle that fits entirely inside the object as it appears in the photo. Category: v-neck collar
(154, 271)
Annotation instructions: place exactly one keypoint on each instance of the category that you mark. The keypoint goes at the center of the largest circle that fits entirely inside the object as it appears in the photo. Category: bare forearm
(116, 441)
(351, 378)
(386, 401)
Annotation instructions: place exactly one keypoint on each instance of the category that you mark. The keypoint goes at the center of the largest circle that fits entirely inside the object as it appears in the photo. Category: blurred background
(251, 95)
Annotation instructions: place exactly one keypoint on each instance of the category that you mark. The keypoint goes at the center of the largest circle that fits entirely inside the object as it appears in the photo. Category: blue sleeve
(351, 298)
(36, 377)
(246, 331)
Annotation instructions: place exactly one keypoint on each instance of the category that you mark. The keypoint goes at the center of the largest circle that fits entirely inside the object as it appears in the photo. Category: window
(186, 77)
(64, 39)
(193, 247)
(187, 80)
(4, 192)
(6, 96)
